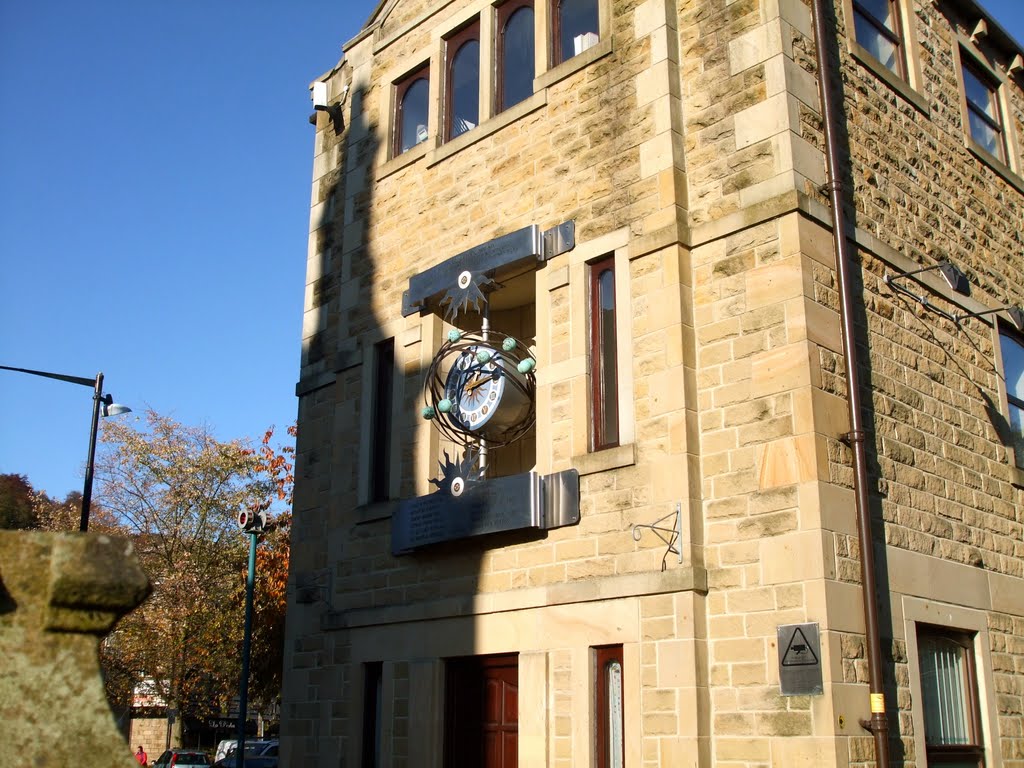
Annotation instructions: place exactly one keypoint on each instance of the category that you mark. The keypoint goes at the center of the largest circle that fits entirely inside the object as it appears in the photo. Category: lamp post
(253, 522)
(100, 403)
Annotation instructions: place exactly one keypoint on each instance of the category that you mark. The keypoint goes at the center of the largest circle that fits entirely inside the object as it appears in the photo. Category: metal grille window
(515, 49)
(984, 120)
(412, 96)
(604, 369)
(950, 691)
(877, 29)
(462, 81)
(575, 27)
(1013, 368)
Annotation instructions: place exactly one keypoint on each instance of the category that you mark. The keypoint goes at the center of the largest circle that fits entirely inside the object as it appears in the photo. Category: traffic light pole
(243, 686)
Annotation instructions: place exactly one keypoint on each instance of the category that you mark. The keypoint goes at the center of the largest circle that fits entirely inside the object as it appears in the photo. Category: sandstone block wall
(688, 146)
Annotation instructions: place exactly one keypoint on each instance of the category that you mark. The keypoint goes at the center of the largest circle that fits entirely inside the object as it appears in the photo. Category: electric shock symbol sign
(799, 660)
(799, 652)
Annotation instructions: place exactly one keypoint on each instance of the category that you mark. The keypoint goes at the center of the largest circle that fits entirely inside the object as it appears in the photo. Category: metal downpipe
(878, 725)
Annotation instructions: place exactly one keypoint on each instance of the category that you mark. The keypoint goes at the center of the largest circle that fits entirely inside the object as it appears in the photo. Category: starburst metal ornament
(469, 289)
(457, 476)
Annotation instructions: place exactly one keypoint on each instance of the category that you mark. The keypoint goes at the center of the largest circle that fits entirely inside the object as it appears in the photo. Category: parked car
(182, 758)
(258, 754)
(224, 748)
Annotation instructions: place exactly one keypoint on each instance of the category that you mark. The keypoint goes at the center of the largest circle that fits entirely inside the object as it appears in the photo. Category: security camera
(320, 95)
(321, 104)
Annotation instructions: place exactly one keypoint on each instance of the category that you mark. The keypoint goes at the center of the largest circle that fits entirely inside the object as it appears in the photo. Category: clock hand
(481, 380)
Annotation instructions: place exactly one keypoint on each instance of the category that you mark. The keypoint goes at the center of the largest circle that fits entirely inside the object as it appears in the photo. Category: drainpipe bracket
(854, 436)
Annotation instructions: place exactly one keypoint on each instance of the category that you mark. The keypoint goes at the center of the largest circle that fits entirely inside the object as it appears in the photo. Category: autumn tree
(176, 491)
(16, 510)
(274, 467)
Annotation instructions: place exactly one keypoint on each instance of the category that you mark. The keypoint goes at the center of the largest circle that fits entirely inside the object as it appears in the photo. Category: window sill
(895, 83)
(374, 511)
(408, 157)
(604, 460)
(485, 129)
(1017, 476)
(569, 66)
(994, 163)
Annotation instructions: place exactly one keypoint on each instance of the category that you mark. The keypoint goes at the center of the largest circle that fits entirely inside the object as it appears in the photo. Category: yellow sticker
(877, 702)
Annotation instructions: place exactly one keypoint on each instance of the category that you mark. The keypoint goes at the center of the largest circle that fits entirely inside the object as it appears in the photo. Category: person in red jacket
(141, 757)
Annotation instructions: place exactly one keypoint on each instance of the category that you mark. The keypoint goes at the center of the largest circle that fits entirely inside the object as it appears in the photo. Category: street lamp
(100, 404)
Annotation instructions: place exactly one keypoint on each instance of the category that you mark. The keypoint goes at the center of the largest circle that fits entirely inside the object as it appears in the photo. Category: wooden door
(482, 712)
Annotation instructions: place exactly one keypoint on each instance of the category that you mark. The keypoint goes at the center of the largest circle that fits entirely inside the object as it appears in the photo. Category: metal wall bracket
(673, 540)
(559, 239)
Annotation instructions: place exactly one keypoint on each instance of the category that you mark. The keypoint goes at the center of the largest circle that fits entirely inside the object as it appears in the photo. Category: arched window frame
(401, 89)
(505, 12)
(453, 45)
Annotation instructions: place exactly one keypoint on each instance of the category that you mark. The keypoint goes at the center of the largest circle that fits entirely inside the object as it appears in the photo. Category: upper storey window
(575, 27)
(877, 29)
(412, 105)
(515, 53)
(1013, 367)
(462, 81)
(984, 119)
(604, 371)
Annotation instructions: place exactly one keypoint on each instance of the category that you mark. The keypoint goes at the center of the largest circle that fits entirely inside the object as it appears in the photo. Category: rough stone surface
(59, 594)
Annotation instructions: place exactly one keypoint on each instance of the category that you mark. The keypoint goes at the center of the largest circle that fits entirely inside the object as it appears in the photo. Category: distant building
(659, 251)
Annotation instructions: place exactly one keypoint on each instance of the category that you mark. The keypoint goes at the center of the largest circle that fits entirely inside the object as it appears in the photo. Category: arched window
(462, 91)
(575, 27)
(412, 103)
(516, 62)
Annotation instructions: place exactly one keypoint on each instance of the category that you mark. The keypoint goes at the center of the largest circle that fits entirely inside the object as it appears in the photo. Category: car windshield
(191, 758)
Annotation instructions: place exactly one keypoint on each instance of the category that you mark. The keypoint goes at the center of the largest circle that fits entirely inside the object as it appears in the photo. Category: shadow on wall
(357, 454)
(60, 594)
(860, 322)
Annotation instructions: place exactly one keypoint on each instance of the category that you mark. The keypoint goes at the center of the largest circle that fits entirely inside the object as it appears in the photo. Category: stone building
(671, 239)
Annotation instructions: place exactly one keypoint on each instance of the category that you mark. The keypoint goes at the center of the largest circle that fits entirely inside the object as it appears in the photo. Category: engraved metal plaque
(526, 501)
(799, 660)
(522, 245)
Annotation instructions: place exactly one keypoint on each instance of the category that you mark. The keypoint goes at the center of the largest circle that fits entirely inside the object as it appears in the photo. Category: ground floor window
(949, 688)
(482, 712)
(373, 698)
(608, 705)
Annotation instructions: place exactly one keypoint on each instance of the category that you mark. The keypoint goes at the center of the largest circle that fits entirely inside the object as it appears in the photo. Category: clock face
(475, 389)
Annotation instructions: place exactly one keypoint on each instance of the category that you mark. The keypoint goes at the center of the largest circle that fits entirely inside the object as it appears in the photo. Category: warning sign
(799, 660)
(799, 652)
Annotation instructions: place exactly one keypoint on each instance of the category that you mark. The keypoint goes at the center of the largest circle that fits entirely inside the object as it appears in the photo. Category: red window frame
(452, 45)
(604, 657)
(557, 54)
(403, 85)
(504, 13)
(604, 369)
(944, 754)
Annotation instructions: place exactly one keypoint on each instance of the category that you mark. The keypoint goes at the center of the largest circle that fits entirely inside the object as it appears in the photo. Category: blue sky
(155, 166)
(155, 162)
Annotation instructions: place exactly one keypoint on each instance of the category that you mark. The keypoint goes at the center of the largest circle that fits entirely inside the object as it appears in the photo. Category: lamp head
(1017, 316)
(956, 279)
(109, 408)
